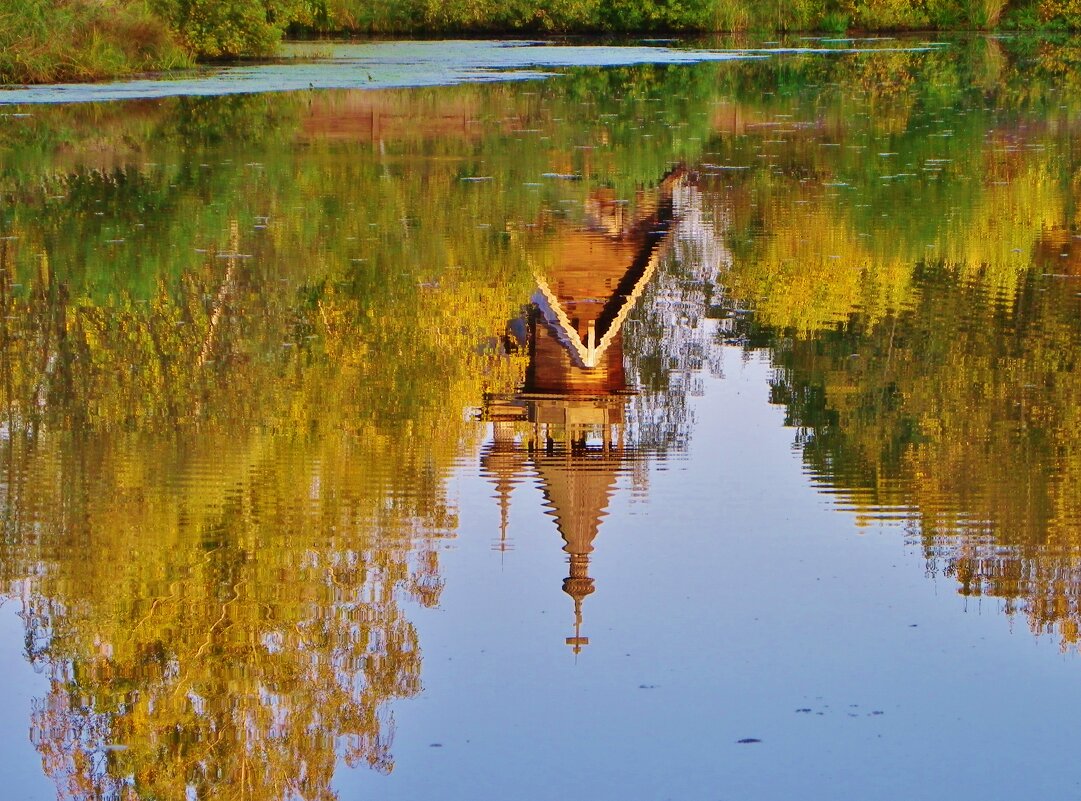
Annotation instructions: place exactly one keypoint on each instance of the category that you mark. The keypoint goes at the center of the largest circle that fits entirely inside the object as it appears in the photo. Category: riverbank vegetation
(728, 16)
(83, 40)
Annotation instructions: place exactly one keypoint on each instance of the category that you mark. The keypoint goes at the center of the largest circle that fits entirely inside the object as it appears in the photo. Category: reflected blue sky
(728, 599)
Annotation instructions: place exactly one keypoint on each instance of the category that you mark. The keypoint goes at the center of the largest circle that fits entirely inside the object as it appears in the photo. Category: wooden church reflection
(566, 426)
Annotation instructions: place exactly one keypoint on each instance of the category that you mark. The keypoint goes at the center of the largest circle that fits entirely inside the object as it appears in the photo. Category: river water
(705, 429)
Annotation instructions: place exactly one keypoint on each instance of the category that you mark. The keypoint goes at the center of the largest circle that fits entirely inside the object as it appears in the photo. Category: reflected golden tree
(219, 504)
(959, 417)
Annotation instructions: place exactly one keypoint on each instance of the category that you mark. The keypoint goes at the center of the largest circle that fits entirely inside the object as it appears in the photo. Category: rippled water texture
(688, 430)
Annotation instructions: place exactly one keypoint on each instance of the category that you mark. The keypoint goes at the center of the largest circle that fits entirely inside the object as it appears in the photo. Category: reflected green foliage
(959, 416)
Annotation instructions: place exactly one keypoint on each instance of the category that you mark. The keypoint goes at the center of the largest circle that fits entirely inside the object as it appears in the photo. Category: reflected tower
(566, 424)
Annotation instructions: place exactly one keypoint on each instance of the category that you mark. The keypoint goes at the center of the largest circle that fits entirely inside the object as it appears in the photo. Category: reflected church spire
(566, 424)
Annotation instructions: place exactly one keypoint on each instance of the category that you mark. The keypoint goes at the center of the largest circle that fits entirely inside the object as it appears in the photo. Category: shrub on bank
(478, 16)
(82, 40)
(232, 28)
(446, 16)
(1064, 12)
(916, 14)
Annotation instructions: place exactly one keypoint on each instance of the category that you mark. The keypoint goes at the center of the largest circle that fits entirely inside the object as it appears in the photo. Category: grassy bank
(83, 40)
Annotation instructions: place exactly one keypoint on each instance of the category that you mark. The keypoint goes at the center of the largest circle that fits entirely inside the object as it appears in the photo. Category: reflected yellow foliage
(812, 271)
(224, 499)
(958, 416)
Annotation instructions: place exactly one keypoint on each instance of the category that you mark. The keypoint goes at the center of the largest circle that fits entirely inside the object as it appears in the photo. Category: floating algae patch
(388, 65)
(375, 65)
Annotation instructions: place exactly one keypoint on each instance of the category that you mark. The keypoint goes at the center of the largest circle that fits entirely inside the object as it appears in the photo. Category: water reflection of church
(566, 425)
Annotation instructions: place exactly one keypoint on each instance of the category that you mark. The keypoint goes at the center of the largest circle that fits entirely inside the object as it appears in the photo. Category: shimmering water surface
(693, 431)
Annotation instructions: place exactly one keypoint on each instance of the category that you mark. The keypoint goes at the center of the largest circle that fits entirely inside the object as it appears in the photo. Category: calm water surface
(689, 431)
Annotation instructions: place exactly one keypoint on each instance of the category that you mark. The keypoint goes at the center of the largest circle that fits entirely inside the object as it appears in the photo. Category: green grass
(984, 14)
(46, 41)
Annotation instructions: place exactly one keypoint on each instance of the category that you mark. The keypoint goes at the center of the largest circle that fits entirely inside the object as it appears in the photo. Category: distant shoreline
(372, 62)
(80, 41)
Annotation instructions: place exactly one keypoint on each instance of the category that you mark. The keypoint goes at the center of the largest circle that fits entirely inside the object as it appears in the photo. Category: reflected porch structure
(566, 426)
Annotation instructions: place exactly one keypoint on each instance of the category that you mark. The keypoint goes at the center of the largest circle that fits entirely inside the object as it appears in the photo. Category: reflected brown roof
(593, 276)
